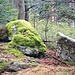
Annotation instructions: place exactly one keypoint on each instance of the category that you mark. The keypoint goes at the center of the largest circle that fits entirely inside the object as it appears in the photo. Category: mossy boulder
(26, 35)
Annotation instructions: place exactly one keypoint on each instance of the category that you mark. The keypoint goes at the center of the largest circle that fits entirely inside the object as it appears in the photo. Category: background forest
(47, 16)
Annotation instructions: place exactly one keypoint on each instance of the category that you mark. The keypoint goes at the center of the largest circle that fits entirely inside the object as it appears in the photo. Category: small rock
(2, 59)
(29, 60)
(16, 66)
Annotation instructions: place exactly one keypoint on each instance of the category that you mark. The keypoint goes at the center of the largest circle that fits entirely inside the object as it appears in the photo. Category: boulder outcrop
(22, 34)
(66, 48)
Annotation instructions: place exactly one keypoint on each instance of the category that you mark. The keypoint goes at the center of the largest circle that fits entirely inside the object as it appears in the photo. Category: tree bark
(26, 11)
(21, 6)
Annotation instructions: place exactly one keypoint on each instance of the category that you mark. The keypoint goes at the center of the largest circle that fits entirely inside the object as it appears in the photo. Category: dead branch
(57, 59)
(48, 41)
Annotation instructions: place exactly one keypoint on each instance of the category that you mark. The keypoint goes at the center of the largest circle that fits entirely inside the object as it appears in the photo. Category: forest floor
(46, 66)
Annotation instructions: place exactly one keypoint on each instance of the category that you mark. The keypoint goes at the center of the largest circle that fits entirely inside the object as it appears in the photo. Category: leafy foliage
(64, 9)
(40, 8)
(7, 11)
(67, 12)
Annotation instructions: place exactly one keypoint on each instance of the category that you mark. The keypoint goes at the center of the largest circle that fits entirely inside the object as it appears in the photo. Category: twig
(57, 59)
(48, 41)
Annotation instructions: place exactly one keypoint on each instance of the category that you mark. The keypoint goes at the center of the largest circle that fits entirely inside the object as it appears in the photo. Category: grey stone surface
(3, 59)
(16, 66)
(29, 51)
(66, 48)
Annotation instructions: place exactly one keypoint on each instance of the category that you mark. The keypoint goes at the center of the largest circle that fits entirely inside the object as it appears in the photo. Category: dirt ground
(46, 66)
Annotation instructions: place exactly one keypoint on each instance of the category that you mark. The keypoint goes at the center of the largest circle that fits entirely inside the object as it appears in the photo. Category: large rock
(6, 65)
(16, 66)
(66, 48)
(28, 50)
(23, 34)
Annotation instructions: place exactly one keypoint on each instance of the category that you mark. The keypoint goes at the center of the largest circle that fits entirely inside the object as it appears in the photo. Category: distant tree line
(54, 10)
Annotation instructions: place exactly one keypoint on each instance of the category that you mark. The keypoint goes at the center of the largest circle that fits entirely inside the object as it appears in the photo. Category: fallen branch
(48, 41)
(49, 54)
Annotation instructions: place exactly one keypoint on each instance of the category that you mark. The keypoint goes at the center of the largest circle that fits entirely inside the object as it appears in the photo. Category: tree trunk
(52, 12)
(21, 6)
(26, 11)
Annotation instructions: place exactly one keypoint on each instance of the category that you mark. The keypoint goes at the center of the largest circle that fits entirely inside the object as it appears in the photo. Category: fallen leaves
(47, 70)
(8, 73)
(45, 66)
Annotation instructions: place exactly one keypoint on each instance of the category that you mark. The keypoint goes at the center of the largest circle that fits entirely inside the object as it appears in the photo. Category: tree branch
(30, 7)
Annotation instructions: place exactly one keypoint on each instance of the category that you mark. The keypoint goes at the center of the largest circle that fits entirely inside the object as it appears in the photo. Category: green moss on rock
(14, 52)
(3, 65)
(27, 35)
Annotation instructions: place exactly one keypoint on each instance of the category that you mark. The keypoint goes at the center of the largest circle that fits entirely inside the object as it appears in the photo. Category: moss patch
(68, 62)
(3, 65)
(14, 52)
(27, 35)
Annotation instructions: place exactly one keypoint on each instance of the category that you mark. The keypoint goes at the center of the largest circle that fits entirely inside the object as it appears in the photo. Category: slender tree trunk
(52, 19)
(26, 11)
(46, 29)
(21, 6)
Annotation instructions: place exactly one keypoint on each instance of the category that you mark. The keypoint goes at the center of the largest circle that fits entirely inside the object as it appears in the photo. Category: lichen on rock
(27, 35)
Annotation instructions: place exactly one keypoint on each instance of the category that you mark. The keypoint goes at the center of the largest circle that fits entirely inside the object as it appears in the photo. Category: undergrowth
(53, 29)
